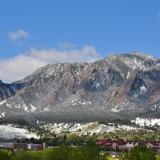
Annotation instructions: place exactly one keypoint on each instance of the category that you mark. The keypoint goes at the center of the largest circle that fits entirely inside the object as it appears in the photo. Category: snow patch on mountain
(25, 107)
(116, 109)
(33, 108)
(146, 122)
(2, 102)
(2, 115)
(143, 89)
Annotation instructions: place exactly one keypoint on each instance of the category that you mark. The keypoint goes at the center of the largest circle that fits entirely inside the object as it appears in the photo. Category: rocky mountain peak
(108, 89)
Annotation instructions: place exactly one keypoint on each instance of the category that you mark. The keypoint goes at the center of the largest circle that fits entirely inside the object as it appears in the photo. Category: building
(125, 144)
(32, 146)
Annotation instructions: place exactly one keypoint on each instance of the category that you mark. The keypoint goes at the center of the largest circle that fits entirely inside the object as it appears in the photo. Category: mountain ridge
(119, 87)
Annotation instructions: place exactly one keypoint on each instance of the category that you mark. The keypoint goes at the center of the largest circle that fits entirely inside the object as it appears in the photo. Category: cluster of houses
(19, 146)
(110, 144)
(121, 144)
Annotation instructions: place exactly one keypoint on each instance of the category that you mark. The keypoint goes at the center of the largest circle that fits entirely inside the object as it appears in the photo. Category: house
(7, 145)
(108, 144)
(154, 145)
(121, 144)
(32, 146)
(19, 146)
(13, 146)
(112, 144)
(131, 144)
(143, 143)
(100, 142)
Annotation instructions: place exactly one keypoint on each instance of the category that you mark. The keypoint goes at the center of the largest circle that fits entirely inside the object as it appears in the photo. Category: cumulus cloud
(84, 54)
(18, 34)
(18, 67)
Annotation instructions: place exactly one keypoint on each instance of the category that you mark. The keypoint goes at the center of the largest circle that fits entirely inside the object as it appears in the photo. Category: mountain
(116, 88)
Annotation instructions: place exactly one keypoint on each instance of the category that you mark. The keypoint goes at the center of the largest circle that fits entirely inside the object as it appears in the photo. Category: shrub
(140, 152)
(5, 155)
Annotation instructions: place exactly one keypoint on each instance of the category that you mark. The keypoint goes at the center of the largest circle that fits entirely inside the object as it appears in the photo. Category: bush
(28, 155)
(140, 152)
(88, 152)
(68, 153)
(56, 154)
(5, 155)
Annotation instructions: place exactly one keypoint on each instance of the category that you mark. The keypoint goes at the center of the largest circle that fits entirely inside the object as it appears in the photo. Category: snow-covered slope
(89, 128)
(11, 132)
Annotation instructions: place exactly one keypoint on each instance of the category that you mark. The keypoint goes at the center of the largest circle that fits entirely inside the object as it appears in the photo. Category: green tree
(77, 153)
(21, 155)
(27, 155)
(60, 153)
(140, 152)
(5, 155)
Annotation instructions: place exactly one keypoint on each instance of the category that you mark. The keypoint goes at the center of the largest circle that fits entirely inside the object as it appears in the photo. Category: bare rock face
(8, 90)
(119, 87)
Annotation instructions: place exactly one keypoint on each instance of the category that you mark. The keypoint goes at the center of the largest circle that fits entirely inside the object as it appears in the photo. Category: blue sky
(106, 26)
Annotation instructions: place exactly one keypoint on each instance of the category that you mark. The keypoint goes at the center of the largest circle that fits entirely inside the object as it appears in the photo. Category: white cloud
(84, 54)
(18, 34)
(18, 67)
(22, 65)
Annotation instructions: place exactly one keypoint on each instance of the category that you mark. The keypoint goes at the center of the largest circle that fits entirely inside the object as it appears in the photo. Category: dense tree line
(88, 152)
(140, 152)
